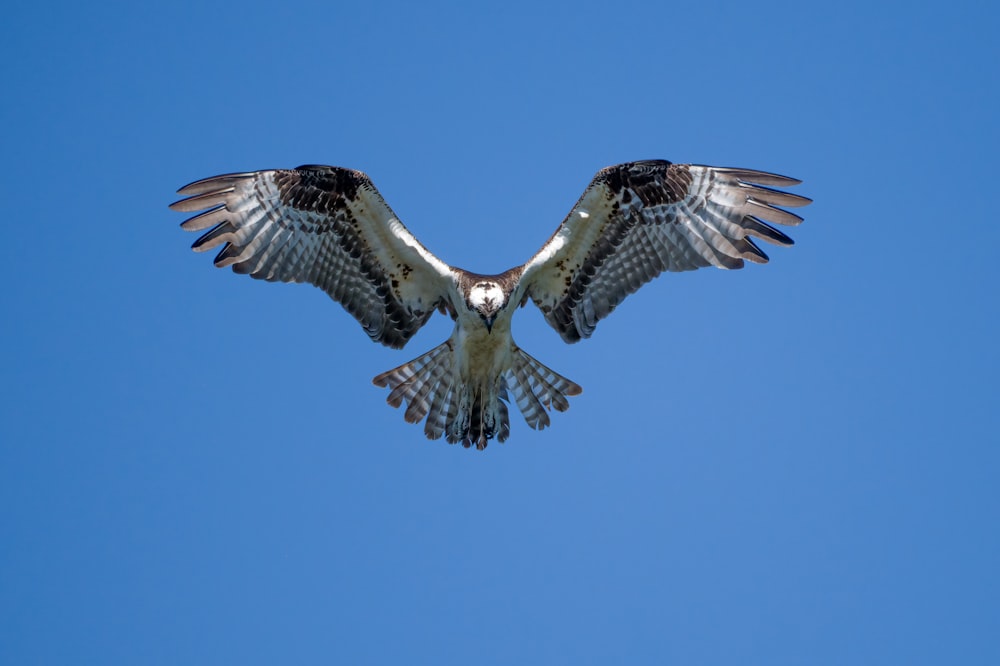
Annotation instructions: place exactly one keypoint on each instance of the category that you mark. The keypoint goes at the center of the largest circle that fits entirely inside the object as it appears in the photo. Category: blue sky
(794, 463)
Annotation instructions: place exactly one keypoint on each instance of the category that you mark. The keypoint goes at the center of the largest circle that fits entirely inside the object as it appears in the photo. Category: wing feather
(638, 219)
(326, 226)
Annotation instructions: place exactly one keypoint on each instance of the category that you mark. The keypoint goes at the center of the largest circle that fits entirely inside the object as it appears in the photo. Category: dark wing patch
(636, 220)
(329, 227)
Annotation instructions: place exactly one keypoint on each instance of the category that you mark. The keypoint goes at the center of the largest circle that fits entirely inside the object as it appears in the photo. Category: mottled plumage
(330, 227)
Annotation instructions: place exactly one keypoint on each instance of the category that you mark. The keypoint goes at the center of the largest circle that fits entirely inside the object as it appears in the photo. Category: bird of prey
(330, 227)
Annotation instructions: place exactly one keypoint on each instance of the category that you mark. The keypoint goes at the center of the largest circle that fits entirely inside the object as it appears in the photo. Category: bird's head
(486, 299)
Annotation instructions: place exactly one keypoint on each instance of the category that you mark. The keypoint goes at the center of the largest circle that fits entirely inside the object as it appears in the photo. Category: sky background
(790, 464)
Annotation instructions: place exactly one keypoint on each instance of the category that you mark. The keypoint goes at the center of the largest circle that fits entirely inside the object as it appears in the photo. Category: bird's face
(486, 299)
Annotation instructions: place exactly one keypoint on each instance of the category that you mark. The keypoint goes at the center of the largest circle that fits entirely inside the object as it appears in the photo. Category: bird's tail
(538, 388)
(473, 415)
(425, 384)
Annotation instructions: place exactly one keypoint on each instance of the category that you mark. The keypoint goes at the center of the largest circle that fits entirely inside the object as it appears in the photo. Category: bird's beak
(489, 323)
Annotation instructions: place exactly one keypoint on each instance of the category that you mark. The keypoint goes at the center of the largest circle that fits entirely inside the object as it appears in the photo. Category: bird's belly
(482, 356)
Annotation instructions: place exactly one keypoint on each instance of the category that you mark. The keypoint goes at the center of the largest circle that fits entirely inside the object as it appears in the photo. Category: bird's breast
(483, 355)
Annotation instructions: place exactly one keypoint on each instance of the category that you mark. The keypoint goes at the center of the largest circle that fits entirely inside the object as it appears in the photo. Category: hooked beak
(489, 323)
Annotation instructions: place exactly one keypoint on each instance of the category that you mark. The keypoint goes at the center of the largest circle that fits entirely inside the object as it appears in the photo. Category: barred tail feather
(424, 384)
(430, 389)
(537, 389)
(443, 409)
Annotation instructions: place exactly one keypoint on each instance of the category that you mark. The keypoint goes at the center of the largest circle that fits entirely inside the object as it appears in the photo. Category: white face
(486, 296)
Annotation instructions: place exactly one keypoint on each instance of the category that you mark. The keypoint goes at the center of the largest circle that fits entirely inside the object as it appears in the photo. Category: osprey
(330, 227)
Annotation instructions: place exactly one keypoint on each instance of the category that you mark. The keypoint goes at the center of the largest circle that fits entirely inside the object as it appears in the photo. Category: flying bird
(330, 227)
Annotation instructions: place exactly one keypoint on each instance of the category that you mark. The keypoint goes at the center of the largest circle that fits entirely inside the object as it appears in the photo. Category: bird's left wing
(327, 226)
(638, 219)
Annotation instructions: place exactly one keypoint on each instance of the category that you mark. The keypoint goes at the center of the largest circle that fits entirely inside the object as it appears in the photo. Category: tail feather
(434, 384)
(454, 407)
(537, 388)
(418, 406)
(429, 388)
(503, 431)
(438, 416)
(412, 381)
(474, 414)
(531, 408)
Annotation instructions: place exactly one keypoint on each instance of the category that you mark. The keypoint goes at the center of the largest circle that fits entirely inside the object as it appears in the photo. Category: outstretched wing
(329, 227)
(639, 219)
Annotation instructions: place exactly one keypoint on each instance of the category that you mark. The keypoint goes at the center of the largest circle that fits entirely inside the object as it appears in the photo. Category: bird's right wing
(327, 226)
(639, 219)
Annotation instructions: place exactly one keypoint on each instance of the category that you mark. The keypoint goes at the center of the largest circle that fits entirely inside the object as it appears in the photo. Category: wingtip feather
(214, 183)
(775, 197)
(753, 176)
(751, 252)
(202, 201)
(205, 220)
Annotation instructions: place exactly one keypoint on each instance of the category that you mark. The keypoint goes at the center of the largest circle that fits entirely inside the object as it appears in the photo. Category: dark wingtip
(215, 182)
(317, 167)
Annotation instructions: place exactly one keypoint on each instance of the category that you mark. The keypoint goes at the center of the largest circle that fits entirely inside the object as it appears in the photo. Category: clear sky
(795, 463)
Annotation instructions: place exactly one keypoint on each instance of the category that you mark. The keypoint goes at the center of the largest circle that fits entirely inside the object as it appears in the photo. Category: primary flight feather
(330, 227)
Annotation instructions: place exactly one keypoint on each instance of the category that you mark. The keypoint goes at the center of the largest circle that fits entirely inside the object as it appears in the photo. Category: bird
(330, 227)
